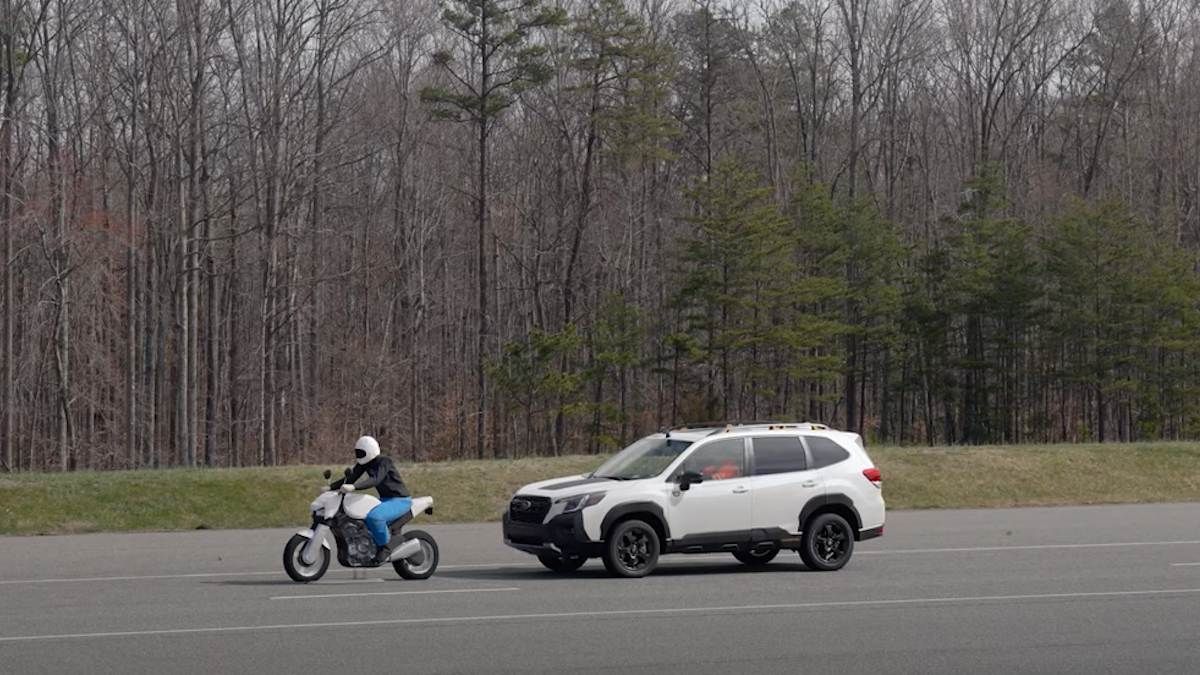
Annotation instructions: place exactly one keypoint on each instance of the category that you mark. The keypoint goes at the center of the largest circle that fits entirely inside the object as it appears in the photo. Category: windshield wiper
(596, 475)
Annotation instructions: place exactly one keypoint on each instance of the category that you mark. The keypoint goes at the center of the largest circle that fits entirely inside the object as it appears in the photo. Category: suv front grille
(528, 509)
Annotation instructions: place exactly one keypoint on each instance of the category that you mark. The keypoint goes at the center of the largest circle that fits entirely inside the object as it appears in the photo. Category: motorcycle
(307, 554)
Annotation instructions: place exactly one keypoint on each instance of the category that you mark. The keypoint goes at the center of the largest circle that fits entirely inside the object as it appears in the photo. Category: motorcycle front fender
(309, 554)
(308, 533)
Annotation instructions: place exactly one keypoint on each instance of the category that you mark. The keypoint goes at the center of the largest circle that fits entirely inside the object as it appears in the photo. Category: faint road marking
(502, 565)
(606, 613)
(198, 575)
(204, 575)
(372, 595)
(1029, 547)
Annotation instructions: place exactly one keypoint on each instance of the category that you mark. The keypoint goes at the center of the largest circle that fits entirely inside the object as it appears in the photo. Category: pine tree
(995, 292)
(503, 61)
(731, 266)
(616, 339)
(873, 257)
(527, 372)
(812, 328)
(1123, 317)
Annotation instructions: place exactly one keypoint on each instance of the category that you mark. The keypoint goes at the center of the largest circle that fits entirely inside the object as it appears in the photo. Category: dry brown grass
(914, 478)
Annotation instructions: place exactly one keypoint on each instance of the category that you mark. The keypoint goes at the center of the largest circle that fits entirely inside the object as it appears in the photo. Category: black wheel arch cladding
(647, 511)
(831, 503)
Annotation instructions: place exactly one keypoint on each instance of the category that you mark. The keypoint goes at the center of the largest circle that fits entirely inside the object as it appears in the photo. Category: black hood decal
(575, 483)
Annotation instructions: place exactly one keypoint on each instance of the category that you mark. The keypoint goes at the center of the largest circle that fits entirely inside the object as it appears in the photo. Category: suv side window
(719, 460)
(778, 454)
(825, 451)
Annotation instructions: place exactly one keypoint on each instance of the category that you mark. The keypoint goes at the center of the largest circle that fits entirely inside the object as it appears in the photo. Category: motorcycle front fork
(312, 550)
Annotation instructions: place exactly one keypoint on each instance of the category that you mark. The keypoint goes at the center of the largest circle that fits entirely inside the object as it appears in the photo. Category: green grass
(954, 477)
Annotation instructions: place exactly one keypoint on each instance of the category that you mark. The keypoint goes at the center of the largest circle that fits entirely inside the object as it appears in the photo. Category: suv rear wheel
(559, 564)
(828, 543)
(631, 549)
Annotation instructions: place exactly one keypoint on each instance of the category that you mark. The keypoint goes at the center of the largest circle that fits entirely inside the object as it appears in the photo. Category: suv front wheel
(631, 549)
(827, 544)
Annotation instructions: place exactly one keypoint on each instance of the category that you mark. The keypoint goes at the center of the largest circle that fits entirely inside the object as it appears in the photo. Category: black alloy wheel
(828, 543)
(632, 549)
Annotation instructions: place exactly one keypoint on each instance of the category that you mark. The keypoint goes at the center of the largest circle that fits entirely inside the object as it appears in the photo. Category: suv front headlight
(577, 502)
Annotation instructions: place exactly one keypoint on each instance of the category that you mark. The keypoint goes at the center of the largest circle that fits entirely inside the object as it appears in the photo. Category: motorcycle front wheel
(294, 565)
(419, 565)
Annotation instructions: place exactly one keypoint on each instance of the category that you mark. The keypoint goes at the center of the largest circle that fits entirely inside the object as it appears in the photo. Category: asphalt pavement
(1097, 589)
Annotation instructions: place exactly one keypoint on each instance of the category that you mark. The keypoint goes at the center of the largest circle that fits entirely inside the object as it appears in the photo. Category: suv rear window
(825, 451)
(778, 454)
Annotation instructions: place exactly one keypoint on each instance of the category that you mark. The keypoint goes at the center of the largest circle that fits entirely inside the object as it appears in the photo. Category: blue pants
(388, 511)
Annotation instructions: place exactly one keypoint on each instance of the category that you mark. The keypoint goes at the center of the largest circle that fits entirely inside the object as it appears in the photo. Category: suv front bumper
(562, 535)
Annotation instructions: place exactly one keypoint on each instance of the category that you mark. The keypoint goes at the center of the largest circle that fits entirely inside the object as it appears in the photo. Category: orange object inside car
(729, 469)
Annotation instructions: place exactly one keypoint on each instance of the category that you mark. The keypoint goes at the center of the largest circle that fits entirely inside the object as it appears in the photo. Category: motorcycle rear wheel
(295, 567)
(423, 564)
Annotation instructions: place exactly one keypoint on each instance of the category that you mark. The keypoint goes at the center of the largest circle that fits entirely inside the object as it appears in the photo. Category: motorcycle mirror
(347, 472)
(327, 474)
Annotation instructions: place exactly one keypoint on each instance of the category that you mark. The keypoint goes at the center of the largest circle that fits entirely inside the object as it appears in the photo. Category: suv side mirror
(689, 478)
(327, 474)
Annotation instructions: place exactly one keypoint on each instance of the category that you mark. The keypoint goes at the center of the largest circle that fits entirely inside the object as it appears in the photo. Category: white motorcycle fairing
(358, 506)
(327, 504)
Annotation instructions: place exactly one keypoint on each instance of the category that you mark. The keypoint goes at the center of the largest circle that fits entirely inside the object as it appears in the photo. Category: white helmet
(366, 449)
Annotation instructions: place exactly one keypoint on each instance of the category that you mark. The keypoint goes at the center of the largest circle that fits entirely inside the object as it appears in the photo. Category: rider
(381, 474)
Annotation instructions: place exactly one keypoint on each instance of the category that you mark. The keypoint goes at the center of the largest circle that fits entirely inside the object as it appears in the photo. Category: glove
(347, 487)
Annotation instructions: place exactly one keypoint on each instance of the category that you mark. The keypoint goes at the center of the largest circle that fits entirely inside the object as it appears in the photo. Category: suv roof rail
(725, 423)
(727, 426)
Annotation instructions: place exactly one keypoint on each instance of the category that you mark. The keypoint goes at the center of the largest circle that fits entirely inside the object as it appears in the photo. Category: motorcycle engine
(359, 547)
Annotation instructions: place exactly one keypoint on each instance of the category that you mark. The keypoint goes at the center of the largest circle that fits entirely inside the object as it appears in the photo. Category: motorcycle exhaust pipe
(408, 549)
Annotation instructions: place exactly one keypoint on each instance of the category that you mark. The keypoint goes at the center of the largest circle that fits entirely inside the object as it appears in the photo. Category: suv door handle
(809, 483)
(740, 490)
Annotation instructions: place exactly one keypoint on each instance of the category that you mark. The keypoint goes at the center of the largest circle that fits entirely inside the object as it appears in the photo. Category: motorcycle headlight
(577, 502)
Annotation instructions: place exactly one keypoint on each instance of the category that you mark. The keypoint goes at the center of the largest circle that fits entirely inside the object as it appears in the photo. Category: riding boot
(383, 553)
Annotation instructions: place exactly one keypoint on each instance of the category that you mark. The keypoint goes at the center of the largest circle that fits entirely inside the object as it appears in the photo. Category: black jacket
(381, 474)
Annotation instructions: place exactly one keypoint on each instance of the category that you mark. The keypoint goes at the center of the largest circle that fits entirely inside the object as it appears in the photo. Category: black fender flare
(834, 498)
(621, 510)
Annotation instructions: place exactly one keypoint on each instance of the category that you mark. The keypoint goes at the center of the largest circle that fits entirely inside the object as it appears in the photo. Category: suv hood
(563, 487)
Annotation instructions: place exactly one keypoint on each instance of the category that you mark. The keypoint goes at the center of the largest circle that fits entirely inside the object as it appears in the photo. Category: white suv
(747, 488)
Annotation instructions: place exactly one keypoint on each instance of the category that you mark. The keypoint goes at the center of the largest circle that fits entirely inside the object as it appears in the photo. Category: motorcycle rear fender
(422, 505)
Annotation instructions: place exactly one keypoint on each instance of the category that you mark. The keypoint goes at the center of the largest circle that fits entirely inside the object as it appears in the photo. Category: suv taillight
(872, 474)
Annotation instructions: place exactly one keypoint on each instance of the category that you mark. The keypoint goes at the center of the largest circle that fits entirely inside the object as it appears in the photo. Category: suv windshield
(644, 459)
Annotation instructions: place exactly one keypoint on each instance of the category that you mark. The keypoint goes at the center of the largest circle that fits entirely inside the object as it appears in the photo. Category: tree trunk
(211, 334)
(481, 216)
(8, 65)
(60, 262)
(131, 310)
(233, 339)
(183, 315)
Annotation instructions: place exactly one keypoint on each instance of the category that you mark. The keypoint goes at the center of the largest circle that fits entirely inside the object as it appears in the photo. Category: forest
(244, 232)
